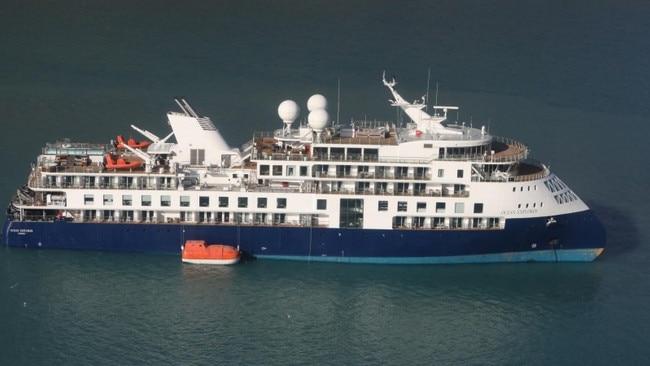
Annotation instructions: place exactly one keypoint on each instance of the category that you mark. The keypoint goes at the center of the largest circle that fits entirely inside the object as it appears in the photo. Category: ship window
(419, 188)
(146, 200)
(476, 222)
(456, 222)
(402, 187)
(303, 171)
(370, 154)
(441, 173)
(264, 170)
(321, 204)
(89, 199)
(291, 170)
(282, 203)
(204, 201)
(459, 173)
(279, 218)
(337, 153)
(242, 202)
(351, 213)
(108, 199)
(440, 207)
(428, 146)
(320, 153)
(277, 170)
(421, 207)
(438, 222)
(459, 207)
(223, 201)
(165, 200)
(185, 201)
(399, 221)
(127, 200)
(478, 208)
(261, 202)
(402, 206)
(493, 222)
(197, 156)
(383, 206)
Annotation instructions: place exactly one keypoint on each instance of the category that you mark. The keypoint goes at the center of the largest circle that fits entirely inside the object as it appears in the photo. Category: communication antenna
(426, 102)
(436, 101)
(338, 102)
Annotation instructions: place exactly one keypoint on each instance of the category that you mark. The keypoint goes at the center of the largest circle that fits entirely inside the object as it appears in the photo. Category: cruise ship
(423, 189)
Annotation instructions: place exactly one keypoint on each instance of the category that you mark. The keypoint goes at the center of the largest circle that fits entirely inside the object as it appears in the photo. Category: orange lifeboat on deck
(131, 142)
(197, 252)
(120, 163)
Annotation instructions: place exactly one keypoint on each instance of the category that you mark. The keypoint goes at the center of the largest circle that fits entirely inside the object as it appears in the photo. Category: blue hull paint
(575, 237)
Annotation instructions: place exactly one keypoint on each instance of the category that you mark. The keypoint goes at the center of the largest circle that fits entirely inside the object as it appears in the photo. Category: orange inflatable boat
(131, 142)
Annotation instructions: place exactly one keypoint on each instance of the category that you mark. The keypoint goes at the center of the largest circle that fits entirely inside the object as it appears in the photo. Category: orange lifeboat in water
(197, 252)
(131, 142)
(120, 163)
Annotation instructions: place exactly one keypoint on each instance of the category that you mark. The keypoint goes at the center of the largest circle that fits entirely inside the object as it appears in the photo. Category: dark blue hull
(574, 237)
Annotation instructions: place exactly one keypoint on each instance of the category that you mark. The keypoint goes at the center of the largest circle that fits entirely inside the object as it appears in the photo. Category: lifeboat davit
(131, 142)
(197, 252)
(120, 163)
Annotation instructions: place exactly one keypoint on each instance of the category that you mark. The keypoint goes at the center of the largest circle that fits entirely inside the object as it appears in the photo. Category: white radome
(316, 102)
(318, 119)
(288, 110)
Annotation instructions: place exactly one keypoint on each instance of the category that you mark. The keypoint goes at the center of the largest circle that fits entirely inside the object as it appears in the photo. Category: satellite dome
(315, 102)
(318, 119)
(288, 110)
